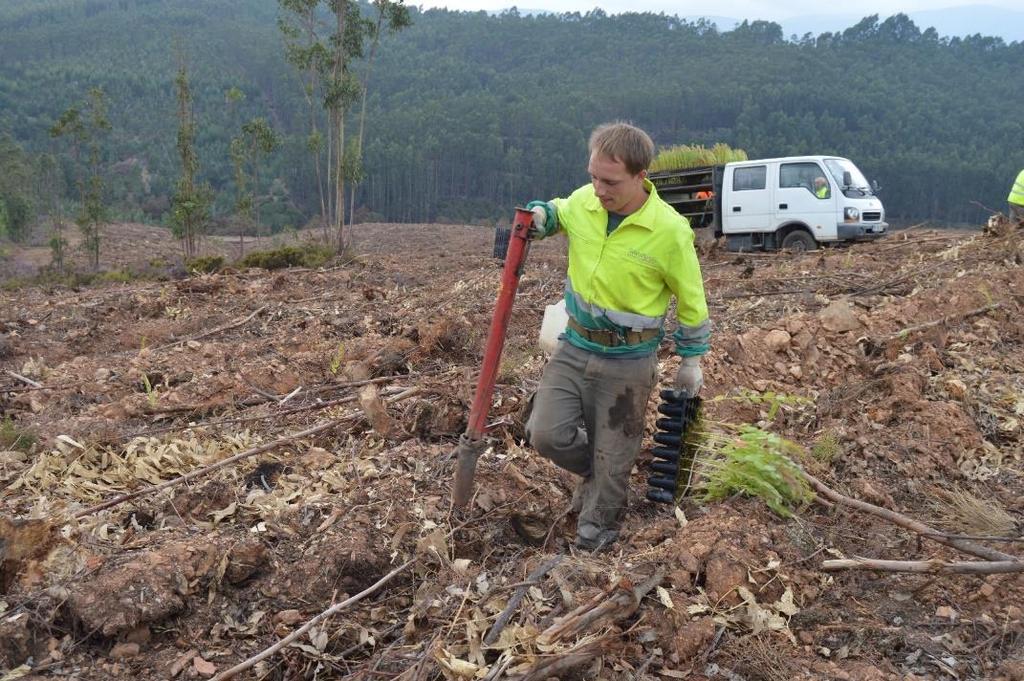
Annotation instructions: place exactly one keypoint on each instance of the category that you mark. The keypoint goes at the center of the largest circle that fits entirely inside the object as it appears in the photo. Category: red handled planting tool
(472, 443)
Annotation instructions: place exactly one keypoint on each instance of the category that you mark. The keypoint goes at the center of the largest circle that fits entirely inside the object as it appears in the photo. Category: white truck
(794, 203)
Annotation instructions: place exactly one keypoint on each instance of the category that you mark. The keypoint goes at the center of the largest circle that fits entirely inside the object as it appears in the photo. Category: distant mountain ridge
(456, 131)
(961, 21)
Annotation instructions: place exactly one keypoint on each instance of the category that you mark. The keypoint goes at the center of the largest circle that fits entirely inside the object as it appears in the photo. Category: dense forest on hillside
(471, 113)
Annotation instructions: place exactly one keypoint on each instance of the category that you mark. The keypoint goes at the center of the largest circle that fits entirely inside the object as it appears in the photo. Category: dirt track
(147, 381)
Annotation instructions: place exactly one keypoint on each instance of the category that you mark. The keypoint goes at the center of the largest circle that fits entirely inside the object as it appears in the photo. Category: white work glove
(689, 377)
(540, 211)
(540, 218)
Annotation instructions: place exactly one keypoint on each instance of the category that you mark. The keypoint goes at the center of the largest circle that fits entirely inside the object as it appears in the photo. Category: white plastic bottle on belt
(555, 320)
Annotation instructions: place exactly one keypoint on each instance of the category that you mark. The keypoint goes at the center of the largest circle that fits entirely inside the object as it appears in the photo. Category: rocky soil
(896, 368)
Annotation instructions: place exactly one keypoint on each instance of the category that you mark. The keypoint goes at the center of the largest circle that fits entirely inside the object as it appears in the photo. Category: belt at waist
(612, 339)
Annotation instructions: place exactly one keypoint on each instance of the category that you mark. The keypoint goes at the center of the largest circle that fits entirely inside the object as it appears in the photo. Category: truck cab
(796, 202)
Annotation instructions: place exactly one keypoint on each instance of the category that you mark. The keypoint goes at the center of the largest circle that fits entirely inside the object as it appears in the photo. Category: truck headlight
(851, 215)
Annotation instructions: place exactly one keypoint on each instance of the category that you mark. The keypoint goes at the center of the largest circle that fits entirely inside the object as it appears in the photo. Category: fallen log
(987, 567)
(908, 523)
(517, 598)
(213, 332)
(24, 379)
(903, 333)
(553, 666)
(620, 601)
(334, 609)
(258, 401)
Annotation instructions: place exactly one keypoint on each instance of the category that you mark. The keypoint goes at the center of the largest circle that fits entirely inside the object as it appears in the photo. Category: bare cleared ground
(139, 248)
(147, 381)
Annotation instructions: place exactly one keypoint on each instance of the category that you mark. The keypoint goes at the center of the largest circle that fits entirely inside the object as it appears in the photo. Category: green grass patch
(309, 255)
(826, 448)
(50, 279)
(205, 264)
(114, 277)
(13, 437)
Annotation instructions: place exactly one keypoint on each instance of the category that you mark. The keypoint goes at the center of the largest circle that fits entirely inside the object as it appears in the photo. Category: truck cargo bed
(679, 188)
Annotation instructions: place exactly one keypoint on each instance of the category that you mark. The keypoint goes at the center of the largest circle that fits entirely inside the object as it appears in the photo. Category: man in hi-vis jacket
(629, 254)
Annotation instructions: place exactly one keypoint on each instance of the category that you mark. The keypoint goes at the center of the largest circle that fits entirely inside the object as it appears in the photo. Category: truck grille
(871, 216)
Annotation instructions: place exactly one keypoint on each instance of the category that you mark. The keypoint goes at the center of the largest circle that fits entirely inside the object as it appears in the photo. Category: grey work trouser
(588, 418)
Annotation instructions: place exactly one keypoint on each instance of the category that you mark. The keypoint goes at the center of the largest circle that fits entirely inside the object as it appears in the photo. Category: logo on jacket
(645, 258)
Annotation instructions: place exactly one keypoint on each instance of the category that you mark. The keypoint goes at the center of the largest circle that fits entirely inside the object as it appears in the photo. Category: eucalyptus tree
(248, 149)
(190, 204)
(15, 190)
(86, 126)
(391, 18)
(50, 191)
(325, 39)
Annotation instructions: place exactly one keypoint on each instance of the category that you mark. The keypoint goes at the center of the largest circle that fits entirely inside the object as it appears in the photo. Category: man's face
(619, 191)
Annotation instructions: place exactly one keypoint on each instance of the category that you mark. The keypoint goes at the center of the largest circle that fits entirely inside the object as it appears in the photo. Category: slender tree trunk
(256, 196)
(329, 145)
(362, 107)
(314, 128)
(338, 109)
(59, 228)
(339, 196)
(319, 176)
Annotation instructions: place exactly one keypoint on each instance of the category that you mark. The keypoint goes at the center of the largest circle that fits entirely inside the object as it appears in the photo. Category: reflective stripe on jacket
(1017, 192)
(624, 280)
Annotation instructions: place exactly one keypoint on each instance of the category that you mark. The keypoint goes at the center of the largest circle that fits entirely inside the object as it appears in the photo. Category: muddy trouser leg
(588, 418)
(556, 425)
(616, 392)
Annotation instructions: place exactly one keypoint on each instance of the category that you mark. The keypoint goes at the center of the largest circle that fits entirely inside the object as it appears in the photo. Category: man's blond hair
(623, 142)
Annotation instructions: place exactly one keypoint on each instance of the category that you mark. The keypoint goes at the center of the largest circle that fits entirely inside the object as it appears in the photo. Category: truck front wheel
(799, 241)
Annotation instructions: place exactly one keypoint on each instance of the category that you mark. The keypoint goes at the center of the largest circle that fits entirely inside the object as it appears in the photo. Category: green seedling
(695, 156)
(339, 356)
(774, 400)
(13, 437)
(983, 290)
(760, 464)
(150, 391)
(826, 448)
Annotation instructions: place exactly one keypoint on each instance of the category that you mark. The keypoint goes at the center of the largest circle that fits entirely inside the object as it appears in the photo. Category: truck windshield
(858, 183)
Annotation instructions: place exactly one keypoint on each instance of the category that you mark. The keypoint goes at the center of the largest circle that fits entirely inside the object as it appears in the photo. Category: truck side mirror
(875, 187)
(847, 179)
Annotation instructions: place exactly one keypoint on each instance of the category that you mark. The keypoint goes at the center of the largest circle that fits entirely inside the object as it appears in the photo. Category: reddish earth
(897, 367)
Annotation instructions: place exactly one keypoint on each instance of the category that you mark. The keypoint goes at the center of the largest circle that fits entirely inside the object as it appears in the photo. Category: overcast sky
(741, 9)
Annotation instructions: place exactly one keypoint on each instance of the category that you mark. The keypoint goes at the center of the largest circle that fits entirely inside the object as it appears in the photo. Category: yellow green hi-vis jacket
(1017, 190)
(624, 281)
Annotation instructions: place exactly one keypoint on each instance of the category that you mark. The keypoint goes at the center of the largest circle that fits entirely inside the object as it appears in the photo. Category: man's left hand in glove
(689, 377)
